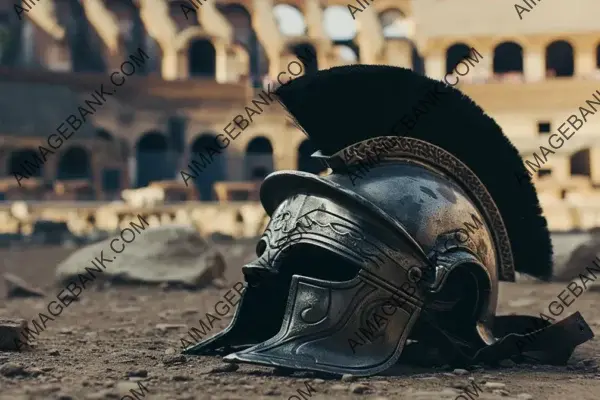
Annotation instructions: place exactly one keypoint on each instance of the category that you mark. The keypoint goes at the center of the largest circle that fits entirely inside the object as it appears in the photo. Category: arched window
(559, 59)
(508, 57)
(74, 164)
(455, 54)
(202, 59)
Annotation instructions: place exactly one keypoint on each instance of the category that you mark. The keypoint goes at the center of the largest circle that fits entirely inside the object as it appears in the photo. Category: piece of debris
(18, 287)
(226, 367)
(175, 255)
(12, 369)
(170, 327)
(11, 333)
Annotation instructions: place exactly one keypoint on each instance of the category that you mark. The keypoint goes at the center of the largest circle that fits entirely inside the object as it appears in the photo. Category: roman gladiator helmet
(405, 241)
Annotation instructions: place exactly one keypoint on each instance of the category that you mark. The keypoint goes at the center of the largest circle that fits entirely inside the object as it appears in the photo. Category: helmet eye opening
(316, 262)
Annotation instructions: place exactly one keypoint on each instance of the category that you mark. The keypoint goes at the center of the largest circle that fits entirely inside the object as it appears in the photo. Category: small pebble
(359, 388)
(494, 385)
(460, 371)
(226, 367)
(348, 378)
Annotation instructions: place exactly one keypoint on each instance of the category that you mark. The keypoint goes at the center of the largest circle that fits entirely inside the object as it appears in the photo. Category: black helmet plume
(344, 105)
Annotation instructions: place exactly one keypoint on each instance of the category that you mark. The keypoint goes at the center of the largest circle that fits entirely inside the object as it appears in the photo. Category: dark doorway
(202, 59)
(210, 169)
(259, 158)
(27, 163)
(154, 160)
(74, 164)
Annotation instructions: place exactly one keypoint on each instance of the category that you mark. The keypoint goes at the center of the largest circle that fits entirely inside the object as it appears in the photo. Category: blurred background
(206, 61)
(160, 84)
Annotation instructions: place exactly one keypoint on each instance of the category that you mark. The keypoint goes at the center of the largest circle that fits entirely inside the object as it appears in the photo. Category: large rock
(175, 254)
(580, 258)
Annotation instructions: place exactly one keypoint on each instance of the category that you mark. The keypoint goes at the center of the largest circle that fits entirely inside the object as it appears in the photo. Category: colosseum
(117, 94)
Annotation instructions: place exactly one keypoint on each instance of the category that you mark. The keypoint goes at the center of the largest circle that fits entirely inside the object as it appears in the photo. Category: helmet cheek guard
(358, 266)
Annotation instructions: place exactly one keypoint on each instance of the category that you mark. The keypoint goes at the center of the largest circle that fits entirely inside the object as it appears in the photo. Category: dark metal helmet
(406, 239)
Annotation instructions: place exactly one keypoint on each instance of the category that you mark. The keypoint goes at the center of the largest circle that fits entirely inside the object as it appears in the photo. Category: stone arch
(508, 57)
(103, 134)
(580, 163)
(394, 23)
(74, 163)
(559, 59)
(205, 166)
(455, 54)
(290, 20)
(154, 160)
(202, 59)
(25, 162)
(307, 54)
(243, 34)
(85, 45)
(258, 158)
(305, 161)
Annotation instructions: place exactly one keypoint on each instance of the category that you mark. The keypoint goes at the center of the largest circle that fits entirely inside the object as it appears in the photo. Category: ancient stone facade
(186, 73)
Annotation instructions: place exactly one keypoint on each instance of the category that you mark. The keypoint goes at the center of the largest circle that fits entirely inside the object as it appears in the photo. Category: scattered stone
(318, 380)
(18, 287)
(178, 359)
(339, 387)
(53, 352)
(359, 388)
(63, 396)
(139, 373)
(170, 327)
(525, 396)
(66, 331)
(459, 371)
(225, 367)
(348, 378)
(181, 378)
(11, 333)
(170, 351)
(507, 363)
(12, 369)
(494, 385)
(501, 392)
(272, 392)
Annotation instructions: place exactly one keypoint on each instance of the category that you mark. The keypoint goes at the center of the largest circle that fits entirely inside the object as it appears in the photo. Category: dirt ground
(102, 345)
